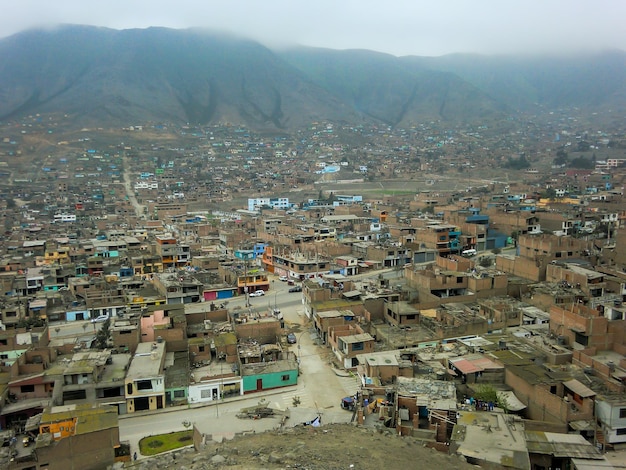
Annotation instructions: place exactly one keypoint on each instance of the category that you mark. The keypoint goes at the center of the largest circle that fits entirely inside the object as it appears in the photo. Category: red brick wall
(542, 405)
(522, 267)
(264, 332)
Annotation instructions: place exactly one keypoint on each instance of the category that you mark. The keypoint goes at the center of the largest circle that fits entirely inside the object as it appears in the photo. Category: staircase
(600, 440)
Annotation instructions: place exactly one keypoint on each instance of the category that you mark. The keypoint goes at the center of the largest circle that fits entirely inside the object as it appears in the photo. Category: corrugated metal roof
(512, 402)
(561, 445)
(585, 464)
(464, 366)
(579, 388)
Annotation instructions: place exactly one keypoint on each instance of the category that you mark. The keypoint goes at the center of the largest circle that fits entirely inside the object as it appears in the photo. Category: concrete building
(347, 342)
(144, 383)
(93, 377)
(178, 288)
(80, 437)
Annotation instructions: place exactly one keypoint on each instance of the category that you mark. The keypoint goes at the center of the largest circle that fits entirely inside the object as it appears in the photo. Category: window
(410, 317)
(621, 432)
(179, 394)
(201, 348)
(144, 385)
(622, 413)
(27, 389)
(358, 346)
(581, 339)
(206, 393)
(285, 378)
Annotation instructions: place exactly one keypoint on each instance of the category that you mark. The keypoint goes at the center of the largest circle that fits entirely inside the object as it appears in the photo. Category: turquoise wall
(271, 380)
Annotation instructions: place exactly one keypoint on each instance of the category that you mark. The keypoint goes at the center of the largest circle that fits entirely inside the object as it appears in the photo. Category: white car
(257, 293)
(100, 319)
(283, 278)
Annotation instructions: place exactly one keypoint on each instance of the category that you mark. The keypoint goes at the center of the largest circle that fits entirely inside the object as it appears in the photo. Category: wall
(213, 388)
(92, 451)
(563, 321)
(265, 331)
(150, 322)
(522, 267)
(270, 381)
(544, 405)
(608, 413)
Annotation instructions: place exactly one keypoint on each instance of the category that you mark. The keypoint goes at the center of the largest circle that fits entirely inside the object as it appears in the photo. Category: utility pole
(245, 255)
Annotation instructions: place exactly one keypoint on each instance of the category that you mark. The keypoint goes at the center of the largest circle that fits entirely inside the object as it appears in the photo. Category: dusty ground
(327, 448)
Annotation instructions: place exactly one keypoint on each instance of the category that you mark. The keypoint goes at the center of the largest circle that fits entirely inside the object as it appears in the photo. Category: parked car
(283, 278)
(100, 319)
(291, 338)
(296, 289)
(257, 293)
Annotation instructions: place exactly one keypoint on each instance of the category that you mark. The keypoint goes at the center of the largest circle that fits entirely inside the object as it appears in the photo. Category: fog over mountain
(112, 77)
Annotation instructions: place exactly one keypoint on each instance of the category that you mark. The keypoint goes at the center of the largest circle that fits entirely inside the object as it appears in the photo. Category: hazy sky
(399, 27)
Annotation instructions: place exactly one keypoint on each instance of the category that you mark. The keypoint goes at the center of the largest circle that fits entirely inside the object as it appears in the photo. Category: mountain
(101, 76)
(586, 81)
(109, 77)
(386, 89)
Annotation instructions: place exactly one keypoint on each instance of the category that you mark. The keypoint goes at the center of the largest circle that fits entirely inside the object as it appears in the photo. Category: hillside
(104, 76)
(340, 447)
(107, 77)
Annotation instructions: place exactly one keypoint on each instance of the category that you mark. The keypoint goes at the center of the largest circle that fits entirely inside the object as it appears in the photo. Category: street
(319, 390)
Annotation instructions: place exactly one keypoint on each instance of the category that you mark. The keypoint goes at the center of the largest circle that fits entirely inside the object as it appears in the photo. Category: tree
(520, 163)
(488, 393)
(549, 193)
(582, 162)
(103, 335)
(561, 157)
(515, 236)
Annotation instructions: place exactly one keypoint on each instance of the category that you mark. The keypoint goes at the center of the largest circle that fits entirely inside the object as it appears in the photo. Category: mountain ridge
(104, 76)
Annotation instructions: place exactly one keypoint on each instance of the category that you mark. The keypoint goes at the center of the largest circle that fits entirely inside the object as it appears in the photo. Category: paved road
(130, 192)
(319, 389)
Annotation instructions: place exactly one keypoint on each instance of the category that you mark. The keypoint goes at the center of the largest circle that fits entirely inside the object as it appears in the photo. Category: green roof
(225, 339)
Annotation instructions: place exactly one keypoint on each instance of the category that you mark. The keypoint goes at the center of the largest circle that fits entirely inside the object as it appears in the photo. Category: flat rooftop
(146, 362)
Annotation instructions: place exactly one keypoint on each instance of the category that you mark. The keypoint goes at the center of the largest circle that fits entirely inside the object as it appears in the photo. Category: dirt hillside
(307, 448)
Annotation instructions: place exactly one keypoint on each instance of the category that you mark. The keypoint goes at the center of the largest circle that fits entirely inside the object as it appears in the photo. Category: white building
(255, 204)
(58, 218)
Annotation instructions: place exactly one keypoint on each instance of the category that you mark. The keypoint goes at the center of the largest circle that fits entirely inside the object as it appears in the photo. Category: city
(383, 281)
